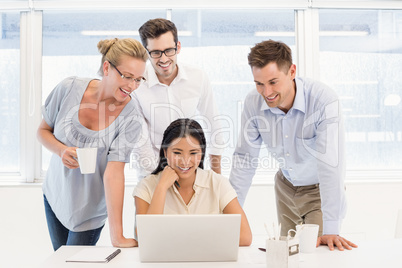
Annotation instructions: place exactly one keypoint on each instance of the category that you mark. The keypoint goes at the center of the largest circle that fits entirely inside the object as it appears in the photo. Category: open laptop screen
(175, 238)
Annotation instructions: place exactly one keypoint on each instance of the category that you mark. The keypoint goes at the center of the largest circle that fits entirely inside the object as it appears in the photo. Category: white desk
(383, 254)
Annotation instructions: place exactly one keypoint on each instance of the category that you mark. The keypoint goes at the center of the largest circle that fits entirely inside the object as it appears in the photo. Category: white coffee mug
(87, 159)
(308, 234)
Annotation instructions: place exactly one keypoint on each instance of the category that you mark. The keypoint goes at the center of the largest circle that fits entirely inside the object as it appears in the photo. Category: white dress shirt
(307, 141)
(188, 96)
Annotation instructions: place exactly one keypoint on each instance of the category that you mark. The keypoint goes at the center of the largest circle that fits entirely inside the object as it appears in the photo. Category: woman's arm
(167, 179)
(245, 232)
(67, 154)
(141, 206)
(114, 194)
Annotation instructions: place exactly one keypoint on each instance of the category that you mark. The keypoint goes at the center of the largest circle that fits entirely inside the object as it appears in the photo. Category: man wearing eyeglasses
(173, 91)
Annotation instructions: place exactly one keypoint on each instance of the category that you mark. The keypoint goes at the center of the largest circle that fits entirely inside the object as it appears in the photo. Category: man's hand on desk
(335, 240)
(125, 243)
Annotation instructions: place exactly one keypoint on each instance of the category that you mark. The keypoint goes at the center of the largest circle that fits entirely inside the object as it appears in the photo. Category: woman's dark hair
(181, 128)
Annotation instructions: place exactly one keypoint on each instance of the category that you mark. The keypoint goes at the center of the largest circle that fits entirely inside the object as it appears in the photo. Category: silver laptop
(181, 238)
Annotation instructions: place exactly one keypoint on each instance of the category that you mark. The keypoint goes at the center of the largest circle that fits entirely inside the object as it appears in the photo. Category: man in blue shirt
(300, 123)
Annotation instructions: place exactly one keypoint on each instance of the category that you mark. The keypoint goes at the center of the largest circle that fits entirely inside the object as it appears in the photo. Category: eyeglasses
(156, 54)
(138, 81)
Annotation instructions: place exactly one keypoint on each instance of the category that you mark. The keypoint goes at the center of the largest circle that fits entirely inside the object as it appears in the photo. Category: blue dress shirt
(307, 141)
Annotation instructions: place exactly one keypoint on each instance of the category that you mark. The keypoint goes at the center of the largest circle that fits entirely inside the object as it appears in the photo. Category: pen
(177, 184)
(278, 235)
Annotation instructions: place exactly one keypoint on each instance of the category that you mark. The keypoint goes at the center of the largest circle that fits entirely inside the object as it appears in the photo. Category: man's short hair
(155, 28)
(271, 51)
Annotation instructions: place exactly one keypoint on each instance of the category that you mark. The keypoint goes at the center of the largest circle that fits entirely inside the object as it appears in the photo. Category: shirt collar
(201, 179)
(153, 80)
(298, 104)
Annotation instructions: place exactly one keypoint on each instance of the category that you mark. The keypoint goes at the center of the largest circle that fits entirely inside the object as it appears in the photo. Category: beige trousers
(297, 204)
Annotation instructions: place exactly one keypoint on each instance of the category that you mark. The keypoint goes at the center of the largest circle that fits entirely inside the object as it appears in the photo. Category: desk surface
(387, 253)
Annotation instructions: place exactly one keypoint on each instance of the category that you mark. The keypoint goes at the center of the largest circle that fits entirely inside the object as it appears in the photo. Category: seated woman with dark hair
(180, 185)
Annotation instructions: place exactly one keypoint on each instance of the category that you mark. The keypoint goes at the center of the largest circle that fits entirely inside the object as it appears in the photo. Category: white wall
(24, 240)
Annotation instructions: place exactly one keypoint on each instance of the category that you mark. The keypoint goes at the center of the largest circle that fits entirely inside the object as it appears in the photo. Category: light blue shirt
(307, 141)
(79, 200)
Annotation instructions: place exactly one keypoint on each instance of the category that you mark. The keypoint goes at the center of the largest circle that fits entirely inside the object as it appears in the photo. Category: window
(10, 92)
(360, 57)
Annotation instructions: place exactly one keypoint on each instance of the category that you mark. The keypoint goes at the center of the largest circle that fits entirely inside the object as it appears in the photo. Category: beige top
(212, 193)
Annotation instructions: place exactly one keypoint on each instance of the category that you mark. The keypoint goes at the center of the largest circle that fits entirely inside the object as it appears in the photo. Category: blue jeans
(60, 235)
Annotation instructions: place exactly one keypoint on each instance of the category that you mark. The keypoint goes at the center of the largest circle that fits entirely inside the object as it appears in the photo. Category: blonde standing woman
(87, 112)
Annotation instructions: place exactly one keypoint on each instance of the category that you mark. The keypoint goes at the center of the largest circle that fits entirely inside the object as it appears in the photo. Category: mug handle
(289, 232)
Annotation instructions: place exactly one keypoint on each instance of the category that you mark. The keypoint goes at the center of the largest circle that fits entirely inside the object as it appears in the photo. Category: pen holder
(283, 253)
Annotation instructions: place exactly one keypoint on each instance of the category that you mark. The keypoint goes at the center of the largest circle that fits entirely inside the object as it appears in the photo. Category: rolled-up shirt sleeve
(126, 137)
(54, 101)
(330, 142)
(227, 193)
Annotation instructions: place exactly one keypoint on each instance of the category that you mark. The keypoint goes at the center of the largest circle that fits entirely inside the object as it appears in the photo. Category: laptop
(187, 238)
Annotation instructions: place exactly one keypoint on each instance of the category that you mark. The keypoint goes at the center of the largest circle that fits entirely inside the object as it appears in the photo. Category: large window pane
(70, 43)
(218, 41)
(360, 57)
(70, 40)
(10, 92)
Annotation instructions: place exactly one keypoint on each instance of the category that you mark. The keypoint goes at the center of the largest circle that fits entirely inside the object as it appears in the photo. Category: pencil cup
(283, 253)
(87, 159)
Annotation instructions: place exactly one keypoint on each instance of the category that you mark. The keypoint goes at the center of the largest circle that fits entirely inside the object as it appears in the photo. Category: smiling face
(276, 86)
(184, 156)
(165, 67)
(128, 66)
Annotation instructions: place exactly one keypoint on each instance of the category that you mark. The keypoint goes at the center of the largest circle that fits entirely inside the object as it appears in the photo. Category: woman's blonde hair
(113, 50)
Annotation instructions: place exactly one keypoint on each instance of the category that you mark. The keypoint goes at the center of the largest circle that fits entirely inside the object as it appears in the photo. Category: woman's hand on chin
(125, 243)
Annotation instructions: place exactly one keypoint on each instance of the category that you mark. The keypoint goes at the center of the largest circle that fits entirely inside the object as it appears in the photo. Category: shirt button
(290, 169)
(287, 154)
(285, 117)
(286, 136)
